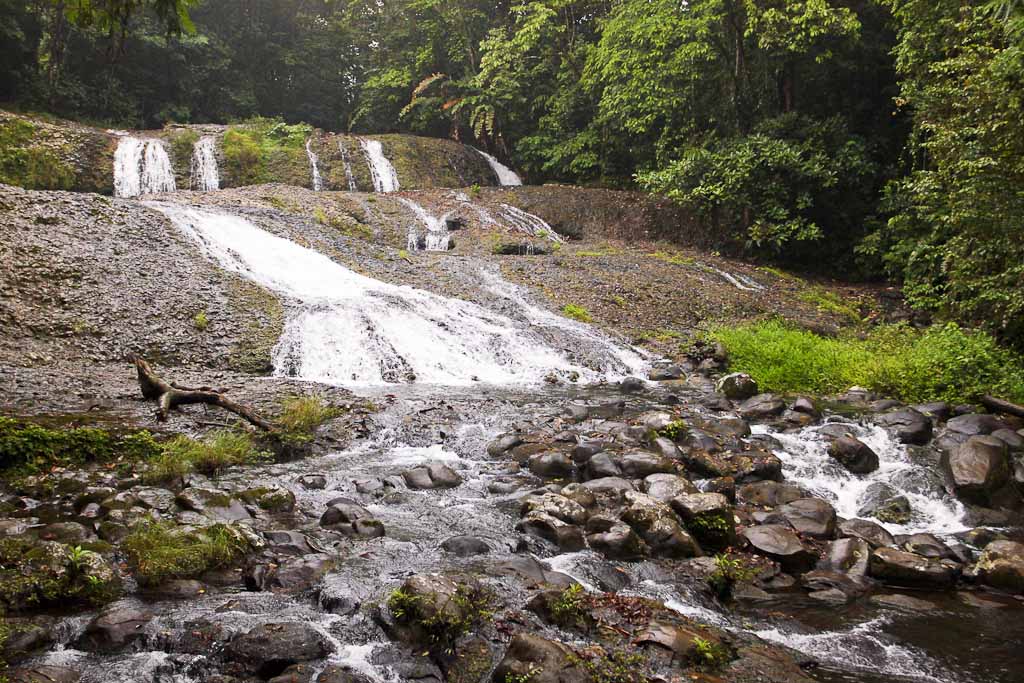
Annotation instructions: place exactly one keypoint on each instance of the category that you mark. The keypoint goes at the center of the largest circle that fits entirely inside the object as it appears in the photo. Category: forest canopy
(868, 137)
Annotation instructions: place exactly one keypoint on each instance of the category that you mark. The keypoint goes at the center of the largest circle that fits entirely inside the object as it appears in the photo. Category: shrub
(577, 313)
(569, 608)
(182, 144)
(158, 551)
(201, 321)
(261, 150)
(942, 363)
(215, 452)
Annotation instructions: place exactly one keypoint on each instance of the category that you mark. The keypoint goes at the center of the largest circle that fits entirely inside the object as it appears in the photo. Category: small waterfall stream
(204, 174)
(437, 238)
(349, 177)
(528, 223)
(314, 165)
(506, 176)
(142, 167)
(385, 178)
(348, 329)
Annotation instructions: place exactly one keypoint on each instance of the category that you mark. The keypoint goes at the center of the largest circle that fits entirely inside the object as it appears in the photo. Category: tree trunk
(1001, 406)
(168, 396)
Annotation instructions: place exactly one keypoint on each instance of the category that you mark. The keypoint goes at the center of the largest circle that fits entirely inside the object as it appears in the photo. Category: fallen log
(1000, 406)
(169, 395)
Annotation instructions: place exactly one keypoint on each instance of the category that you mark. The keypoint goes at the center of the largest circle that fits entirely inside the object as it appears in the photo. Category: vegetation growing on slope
(253, 148)
(158, 552)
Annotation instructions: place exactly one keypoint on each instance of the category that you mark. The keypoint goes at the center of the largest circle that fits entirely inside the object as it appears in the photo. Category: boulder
(639, 464)
(910, 426)
(1002, 566)
(664, 487)
(885, 503)
(212, 504)
(853, 454)
(737, 386)
(781, 544)
(556, 505)
(465, 546)
(267, 650)
(872, 533)
(567, 537)
(978, 469)
(708, 516)
(609, 485)
(847, 555)
(115, 628)
(434, 475)
(926, 545)
(811, 517)
(805, 406)
(538, 660)
(656, 524)
(974, 424)
(552, 465)
(351, 519)
(43, 673)
(617, 541)
(754, 465)
(600, 466)
(768, 493)
(900, 568)
(761, 407)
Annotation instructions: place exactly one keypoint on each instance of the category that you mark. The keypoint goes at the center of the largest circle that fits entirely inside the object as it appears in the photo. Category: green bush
(158, 552)
(941, 363)
(31, 448)
(265, 150)
(215, 452)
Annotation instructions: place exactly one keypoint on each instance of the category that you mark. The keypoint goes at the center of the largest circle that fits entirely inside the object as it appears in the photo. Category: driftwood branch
(169, 395)
(1000, 406)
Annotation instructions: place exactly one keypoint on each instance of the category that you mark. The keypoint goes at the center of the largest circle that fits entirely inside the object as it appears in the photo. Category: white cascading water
(533, 226)
(506, 176)
(385, 178)
(314, 165)
(739, 281)
(806, 463)
(204, 174)
(141, 167)
(437, 238)
(349, 177)
(348, 329)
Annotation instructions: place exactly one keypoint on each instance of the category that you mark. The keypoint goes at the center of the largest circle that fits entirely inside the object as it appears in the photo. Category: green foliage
(613, 666)
(36, 575)
(728, 572)
(158, 552)
(941, 363)
(253, 148)
(24, 163)
(577, 312)
(830, 302)
(570, 607)
(201, 321)
(711, 654)
(442, 627)
(182, 143)
(30, 448)
(345, 225)
(301, 416)
(214, 452)
(677, 430)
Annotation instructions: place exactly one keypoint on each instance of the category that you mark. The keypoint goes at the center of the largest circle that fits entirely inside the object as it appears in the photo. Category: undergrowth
(158, 552)
(24, 163)
(302, 415)
(216, 451)
(941, 363)
(263, 149)
(28, 448)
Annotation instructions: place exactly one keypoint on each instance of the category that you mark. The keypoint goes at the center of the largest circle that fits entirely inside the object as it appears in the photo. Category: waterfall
(314, 164)
(506, 176)
(203, 173)
(385, 179)
(437, 238)
(141, 167)
(534, 226)
(347, 329)
(739, 280)
(349, 178)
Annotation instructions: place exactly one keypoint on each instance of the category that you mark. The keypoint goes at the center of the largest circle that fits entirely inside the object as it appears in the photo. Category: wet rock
(1013, 440)
(666, 373)
(979, 469)
(555, 505)
(904, 603)
(609, 485)
(737, 386)
(854, 455)
(632, 385)
(729, 427)
(900, 568)
(43, 673)
(832, 586)
(539, 660)
(352, 520)
(584, 451)
(666, 448)
(708, 516)
(1002, 566)
(847, 555)
(656, 524)
(980, 537)
(974, 424)
(552, 465)
(601, 466)
(910, 426)
(71, 533)
(269, 649)
(153, 498)
(639, 464)
(724, 485)
(805, 406)
(616, 540)
(567, 537)
(465, 546)
(115, 628)
(664, 487)
(768, 493)
(431, 476)
(939, 410)
(177, 589)
(782, 545)
(885, 503)
(926, 545)
(503, 444)
(291, 575)
(751, 466)
(270, 498)
(213, 504)
(285, 542)
(811, 517)
(313, 482)
(872, 533)
(761, 407)
(430, 609)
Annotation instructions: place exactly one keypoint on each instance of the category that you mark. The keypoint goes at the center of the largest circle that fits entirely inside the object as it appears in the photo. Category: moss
(181, 142)
(201, 321)
(253, 353)
(345, 224)
(830, 302)
(263, 150)
(442, 627)
(24, 162)
(45, 574)
(577, 312)
(673, 258)
(611, 666)
(158, 552)
(423, 163)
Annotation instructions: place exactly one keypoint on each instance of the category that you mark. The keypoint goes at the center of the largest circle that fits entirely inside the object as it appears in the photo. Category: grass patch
(158, 552)
(302, 415)
(182, 144)
(263, 150)
(942, 363)
(347, 226)
(830, 302)
(28, 448)
(577, 313)
(781, 274)
(673, 258)
(201, 321)
(215, 452)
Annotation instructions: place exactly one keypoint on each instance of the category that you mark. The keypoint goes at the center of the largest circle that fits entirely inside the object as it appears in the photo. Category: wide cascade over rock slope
(489, 459)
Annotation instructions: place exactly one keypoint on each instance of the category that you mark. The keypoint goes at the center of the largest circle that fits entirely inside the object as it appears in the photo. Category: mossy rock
(55, 155)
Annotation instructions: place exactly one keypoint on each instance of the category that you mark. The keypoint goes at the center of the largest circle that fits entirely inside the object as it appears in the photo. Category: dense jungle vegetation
(864, 138)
